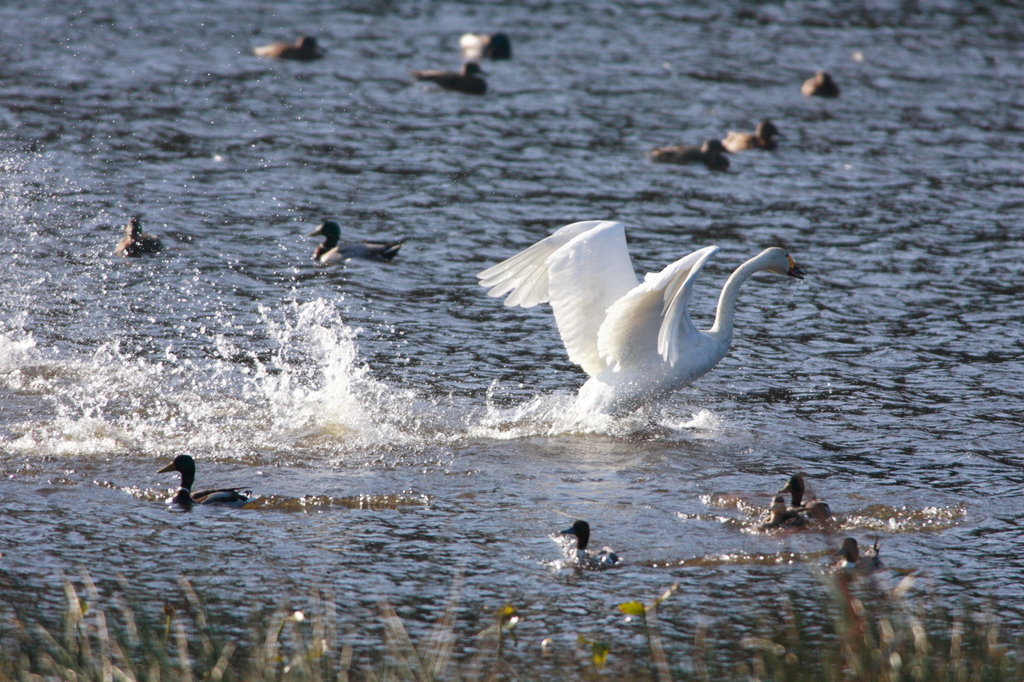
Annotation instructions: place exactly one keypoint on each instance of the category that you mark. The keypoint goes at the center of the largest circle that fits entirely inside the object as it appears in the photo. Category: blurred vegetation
(853, 628)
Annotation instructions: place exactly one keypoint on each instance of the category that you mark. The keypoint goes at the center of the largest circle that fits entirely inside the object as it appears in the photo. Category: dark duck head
(602, 559)
(815, 509)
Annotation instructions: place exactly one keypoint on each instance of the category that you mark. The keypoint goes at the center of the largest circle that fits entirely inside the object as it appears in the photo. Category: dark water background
(424, 420)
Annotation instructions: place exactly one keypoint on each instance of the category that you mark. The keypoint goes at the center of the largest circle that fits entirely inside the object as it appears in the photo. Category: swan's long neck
(722, 329)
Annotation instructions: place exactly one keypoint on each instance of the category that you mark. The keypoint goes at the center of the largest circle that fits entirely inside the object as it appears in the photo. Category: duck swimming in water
(481, 45)
(603, 559)
(186, 466)
(814, 509)
(711, 154)
(820, 85)
(781, 517)
(467, 80)
(855, 560)
(304, 49)
(135, 242)
(763, 137)
(331, 251)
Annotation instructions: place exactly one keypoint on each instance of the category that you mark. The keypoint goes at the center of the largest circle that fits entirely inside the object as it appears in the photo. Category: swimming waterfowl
(186, 466)
(135, 241)
(820, 85)
(763, 137)
(853, 559)
(711, 154)
(303, 49)
(635, 340)
(330, 251)
(779, 516)
(481, 45)
(603, 559)
(466, 81)
(814, 509)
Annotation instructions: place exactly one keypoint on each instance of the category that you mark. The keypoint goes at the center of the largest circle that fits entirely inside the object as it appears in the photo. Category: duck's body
(813, 509)
(820, 85)
(483, 46)
(711, 154)
(186, 466)
(332, 251)
(635, 340)
(467, 80)
(303, 49)
(135, 242)
(856, 560)
(779, 516)
(584, 559)
(763, 137)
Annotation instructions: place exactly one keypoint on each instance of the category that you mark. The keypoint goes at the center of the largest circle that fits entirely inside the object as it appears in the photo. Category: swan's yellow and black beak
(794, 269)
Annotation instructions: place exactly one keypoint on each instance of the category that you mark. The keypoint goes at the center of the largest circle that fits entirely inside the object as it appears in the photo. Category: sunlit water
(395, 424)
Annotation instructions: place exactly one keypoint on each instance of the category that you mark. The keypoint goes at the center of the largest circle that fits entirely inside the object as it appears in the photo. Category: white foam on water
(561, 414)
(312, 397)
(313, 390)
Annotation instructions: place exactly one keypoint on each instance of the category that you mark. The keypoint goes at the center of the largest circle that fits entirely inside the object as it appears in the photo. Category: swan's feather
(586, 277)
(655, 309)
(525, 274)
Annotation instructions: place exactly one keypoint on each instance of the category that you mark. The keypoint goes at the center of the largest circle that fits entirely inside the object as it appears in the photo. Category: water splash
(561, 414)
(313, 393)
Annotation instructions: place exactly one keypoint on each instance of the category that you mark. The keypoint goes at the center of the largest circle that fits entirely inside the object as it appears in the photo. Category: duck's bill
(569, 531)
(316, 232)
(169, 467)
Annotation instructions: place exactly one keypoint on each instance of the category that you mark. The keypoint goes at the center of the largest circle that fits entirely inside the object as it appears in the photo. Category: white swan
(635, 340)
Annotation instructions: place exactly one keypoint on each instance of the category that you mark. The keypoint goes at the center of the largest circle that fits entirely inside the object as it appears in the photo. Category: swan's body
(635, 340)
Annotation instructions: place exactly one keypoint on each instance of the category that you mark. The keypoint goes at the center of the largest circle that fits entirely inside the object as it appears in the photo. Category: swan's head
(781, 263)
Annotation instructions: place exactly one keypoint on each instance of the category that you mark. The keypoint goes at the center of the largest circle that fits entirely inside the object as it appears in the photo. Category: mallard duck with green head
(186, 466)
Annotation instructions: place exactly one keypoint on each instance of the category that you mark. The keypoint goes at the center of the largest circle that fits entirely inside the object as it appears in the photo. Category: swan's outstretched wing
(525, 274)
(586, 277)
(582, 269)
(656, 309)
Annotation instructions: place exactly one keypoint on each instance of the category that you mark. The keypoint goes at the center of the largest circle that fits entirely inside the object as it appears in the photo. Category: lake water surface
(397, 425)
